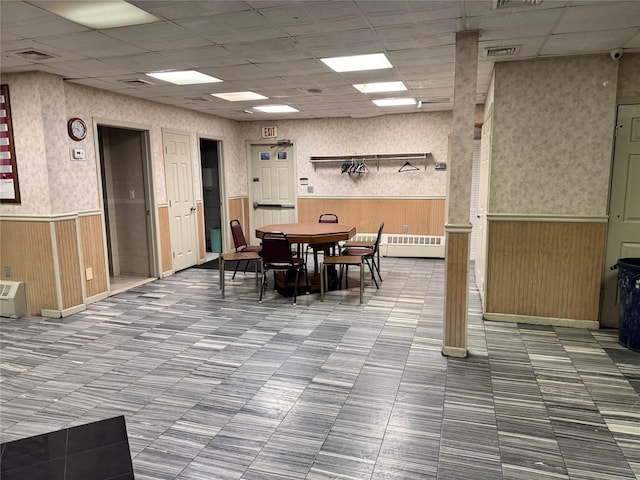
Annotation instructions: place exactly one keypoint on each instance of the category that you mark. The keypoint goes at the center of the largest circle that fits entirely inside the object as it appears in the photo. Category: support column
(458, 225)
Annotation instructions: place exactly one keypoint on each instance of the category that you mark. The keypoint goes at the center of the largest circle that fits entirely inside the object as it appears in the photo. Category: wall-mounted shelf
(402, 157)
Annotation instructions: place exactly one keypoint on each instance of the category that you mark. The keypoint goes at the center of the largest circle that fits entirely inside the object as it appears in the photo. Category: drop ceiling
(274, 48)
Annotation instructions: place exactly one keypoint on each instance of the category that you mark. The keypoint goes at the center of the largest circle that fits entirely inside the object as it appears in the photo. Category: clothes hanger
(407, 167)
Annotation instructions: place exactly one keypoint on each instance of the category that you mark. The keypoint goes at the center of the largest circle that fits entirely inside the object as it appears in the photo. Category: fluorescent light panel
(99, 14)
(239, 96)
(373, 61)
(186, 77)
(275, 108)
(381, 87)
(393, 102)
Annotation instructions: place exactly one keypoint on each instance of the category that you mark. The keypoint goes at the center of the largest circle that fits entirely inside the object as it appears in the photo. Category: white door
(180, 195)
(273, 185)
(483, 206)
(623, 237)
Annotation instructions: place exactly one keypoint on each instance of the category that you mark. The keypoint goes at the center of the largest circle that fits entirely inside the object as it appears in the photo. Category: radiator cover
(403, 245)
(13, 299)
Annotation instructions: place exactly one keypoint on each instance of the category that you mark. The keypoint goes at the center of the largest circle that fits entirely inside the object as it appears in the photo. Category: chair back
(238, 235)
(377, 244)
(328, 218)
(276, 251)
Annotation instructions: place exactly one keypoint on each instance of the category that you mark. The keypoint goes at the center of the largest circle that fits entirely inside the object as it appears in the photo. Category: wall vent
(501, 51)
(398, 245)
(13, 299)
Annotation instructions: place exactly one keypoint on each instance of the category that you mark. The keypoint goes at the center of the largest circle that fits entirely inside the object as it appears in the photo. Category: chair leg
(373, 276)
(263, 282)
(295, 287)
(235, 269)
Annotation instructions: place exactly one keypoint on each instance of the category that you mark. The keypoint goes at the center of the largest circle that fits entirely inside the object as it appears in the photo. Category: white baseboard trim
(97, 298)
(45, 312)
(456, 352)
(552, 321)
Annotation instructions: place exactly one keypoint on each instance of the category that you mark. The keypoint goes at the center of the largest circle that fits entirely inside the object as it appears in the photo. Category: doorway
(126, 206)
(211, 201)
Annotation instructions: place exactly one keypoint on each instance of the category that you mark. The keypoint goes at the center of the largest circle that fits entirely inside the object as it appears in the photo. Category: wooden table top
(312, 233)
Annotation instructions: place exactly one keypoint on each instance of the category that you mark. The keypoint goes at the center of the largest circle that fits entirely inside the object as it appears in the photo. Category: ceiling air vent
(137, 82)
(33, 55)
(514, 3)
(501, 51)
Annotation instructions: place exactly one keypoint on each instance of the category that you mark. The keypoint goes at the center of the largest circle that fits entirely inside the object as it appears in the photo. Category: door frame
(155, 268)
(607, 276)
(249, 144)
(224, 214)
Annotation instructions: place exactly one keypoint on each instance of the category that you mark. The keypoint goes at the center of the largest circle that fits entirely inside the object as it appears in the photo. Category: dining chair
(240, 244)
(320, 247)
(277, 256)
(369, 254)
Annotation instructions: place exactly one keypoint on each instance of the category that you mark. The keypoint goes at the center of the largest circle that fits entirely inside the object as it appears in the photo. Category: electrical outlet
(89, 273)
(7, 270)
(405, 229)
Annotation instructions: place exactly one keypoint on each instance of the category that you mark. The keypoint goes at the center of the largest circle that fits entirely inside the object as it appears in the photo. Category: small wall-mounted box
(78, 153)
(440, 166)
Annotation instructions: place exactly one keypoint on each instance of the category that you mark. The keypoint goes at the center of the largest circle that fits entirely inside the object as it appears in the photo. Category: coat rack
(407, 157)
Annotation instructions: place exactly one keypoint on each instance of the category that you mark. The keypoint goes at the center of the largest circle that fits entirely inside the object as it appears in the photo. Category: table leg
(221, 266)
(361, 282)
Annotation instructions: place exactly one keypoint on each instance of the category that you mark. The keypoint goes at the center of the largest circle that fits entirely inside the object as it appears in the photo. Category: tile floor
(228, 388)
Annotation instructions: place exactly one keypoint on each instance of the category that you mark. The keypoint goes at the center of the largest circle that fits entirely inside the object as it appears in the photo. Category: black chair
(321, 247)
(240, 244)
(277, 256)
(368, 254)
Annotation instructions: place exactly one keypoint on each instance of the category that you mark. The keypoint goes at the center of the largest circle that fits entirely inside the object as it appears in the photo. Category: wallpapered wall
(552, 135)
(402, 133)
(51, 183)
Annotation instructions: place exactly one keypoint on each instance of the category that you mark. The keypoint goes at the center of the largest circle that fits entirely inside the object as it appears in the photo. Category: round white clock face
(77, 129)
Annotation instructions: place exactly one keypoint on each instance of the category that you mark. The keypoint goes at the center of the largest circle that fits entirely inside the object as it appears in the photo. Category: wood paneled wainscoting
(238, 209)
(422, 216)
(51, 255)
(545, 271)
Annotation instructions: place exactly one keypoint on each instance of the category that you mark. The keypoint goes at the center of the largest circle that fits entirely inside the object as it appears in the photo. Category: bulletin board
(9, 185)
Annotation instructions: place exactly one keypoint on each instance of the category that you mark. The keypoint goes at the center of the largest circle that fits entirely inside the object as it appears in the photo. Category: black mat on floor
(215, 265)
(211, 265)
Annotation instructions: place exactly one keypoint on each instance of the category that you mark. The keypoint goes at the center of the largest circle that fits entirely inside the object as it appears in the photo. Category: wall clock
(77, 128)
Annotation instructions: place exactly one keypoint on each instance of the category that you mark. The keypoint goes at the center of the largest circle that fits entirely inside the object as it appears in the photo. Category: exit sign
(269, 132)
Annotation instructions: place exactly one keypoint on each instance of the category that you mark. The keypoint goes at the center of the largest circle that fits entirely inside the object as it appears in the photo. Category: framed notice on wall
(9, 186)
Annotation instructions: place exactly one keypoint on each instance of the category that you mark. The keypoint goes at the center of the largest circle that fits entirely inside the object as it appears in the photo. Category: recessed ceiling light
(381, 87)
(275, 108)
(187, 77)
(239, 96)
(99, 14)
(392, 102)
(373, 61)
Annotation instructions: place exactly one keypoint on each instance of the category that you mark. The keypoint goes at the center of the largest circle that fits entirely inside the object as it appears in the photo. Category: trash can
(629, 287)
(215, 238)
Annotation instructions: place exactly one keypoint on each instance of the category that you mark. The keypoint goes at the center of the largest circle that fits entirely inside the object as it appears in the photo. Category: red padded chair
(277, 256)
(324, 218)
(369, 255)
(240, 244)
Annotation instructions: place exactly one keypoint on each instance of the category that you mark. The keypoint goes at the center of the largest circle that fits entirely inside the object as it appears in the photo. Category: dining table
(325, 234)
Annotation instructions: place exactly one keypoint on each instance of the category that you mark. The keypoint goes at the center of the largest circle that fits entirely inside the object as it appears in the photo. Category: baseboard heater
(403, 245)
(13, 299)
